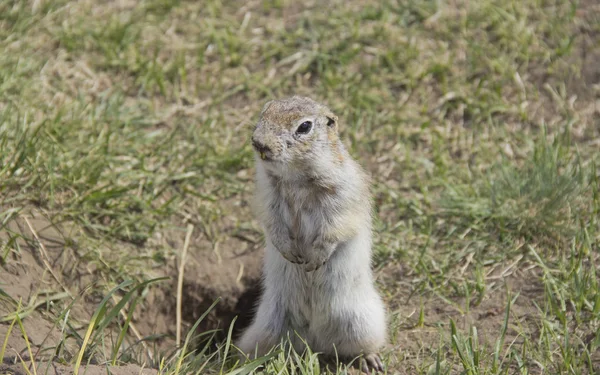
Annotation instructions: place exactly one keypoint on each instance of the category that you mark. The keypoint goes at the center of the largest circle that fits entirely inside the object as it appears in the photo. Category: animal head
(294, 132)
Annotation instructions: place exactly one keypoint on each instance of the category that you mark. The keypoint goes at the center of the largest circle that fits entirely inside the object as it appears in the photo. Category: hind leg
(278, 316)
(354, 329)
(367, 363)
(371, 362)
(264, 333)
(270, 328)
(256, 342)
(259, 339)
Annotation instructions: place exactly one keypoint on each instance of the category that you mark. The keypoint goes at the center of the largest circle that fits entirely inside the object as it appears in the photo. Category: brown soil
(53, 368)
(230, 274)
(412, 340)
(579, 72)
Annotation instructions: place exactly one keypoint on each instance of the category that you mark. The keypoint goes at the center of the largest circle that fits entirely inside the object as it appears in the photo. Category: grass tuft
(544, 198)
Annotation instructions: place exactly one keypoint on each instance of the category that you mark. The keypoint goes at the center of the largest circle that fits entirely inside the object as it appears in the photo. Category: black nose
(260, 147)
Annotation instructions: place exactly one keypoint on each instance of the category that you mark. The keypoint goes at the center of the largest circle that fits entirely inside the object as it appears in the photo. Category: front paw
(289, 251)
(292, 257)
(320, 254)
(313, 265)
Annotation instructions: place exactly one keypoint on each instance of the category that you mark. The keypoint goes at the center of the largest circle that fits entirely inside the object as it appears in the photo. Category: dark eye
(304, 127)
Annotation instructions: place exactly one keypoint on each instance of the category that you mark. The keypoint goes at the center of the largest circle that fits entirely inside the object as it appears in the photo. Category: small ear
(332, 121)
(266, 106)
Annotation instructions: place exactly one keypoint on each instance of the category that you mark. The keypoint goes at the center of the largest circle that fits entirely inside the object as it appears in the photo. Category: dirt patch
(29, 278)
(53, 368)
(232, 276)
(37, 273)
(415, 339)
(227, 268)
(44, 267)
(585, 82)
(571, 83)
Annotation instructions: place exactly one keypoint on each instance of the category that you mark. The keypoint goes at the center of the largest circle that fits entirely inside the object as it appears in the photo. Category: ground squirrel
(313, 201)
